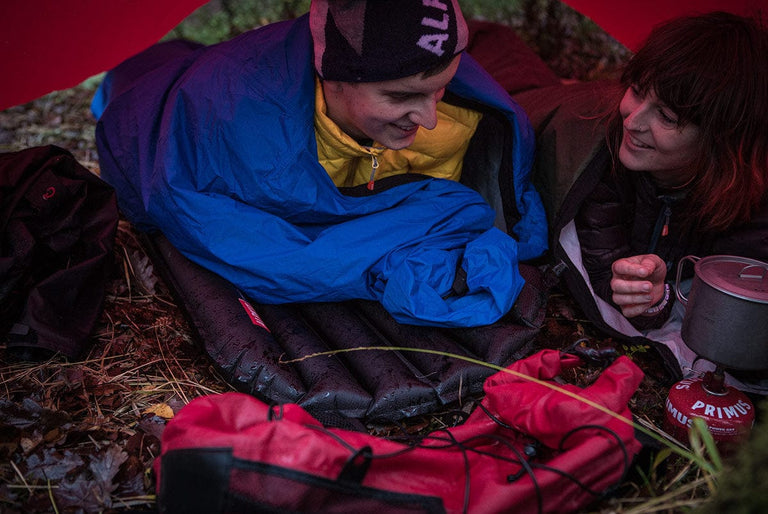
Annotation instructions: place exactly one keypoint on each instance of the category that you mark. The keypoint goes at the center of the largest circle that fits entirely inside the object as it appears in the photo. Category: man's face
(388, 112)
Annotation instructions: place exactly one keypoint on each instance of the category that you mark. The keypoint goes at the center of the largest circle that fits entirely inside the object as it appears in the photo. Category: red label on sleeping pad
(255, 318)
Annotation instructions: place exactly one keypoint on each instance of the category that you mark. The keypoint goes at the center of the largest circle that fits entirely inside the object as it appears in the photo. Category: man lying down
(324, 159)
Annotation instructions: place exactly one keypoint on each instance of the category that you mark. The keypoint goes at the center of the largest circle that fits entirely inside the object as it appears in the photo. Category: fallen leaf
(152, 425)
(53, 465)
(93, 494)
(161, 409)
(106, 465)
(30, 443)
(78, 493)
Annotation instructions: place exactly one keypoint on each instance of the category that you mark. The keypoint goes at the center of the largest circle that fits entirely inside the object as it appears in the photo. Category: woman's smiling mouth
(635, 143)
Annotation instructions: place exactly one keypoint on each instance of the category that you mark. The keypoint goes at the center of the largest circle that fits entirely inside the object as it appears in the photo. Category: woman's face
(653, 141)
(388, 112)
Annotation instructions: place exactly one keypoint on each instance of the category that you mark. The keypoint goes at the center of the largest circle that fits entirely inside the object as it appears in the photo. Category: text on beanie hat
(377, 40)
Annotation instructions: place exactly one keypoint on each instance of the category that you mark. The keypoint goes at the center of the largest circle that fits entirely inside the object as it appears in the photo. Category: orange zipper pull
(374, 167)
(665, 228)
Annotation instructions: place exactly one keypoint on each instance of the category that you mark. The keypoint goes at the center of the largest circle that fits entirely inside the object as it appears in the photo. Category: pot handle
(747, 275)
(681, 296)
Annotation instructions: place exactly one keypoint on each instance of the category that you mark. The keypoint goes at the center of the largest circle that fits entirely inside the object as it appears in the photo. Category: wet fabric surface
(250, 344)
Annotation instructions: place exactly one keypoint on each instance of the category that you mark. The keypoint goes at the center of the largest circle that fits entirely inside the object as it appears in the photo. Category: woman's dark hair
(712, 71)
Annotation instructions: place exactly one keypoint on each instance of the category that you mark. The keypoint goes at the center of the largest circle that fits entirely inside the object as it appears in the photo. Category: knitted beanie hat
(378, 40)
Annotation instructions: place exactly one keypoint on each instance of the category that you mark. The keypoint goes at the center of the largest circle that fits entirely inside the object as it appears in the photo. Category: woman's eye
(668, 118)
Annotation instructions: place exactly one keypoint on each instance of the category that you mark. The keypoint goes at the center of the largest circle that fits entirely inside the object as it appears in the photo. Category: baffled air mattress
(285, 353)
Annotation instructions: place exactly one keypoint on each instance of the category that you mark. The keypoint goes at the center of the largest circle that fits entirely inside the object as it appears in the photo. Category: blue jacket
(217, 150)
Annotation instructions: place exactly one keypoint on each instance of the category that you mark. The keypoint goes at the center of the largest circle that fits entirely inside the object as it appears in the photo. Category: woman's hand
(638, 283)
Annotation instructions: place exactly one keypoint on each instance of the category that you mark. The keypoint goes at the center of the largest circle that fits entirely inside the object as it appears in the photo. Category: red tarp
(629, 21)
(47, 45)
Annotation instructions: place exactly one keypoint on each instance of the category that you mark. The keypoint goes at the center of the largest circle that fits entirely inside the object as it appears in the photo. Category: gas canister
(727, 412)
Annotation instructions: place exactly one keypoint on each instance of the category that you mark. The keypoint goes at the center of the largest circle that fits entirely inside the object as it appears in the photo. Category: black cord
(622, 446)
(495, 419)
(465, 510)
(521, 460)
(528, 466)
(271, 415)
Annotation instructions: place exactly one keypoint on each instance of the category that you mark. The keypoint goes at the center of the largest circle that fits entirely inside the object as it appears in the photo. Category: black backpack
(58, 223)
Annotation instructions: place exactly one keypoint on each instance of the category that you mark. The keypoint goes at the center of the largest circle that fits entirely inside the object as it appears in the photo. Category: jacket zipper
(662, 224)
(374, 167)
(667, 214)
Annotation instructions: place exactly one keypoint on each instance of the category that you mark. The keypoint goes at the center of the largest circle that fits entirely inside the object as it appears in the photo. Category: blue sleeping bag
(215, 148)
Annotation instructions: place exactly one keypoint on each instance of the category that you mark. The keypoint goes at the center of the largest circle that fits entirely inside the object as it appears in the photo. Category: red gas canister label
(729, 416)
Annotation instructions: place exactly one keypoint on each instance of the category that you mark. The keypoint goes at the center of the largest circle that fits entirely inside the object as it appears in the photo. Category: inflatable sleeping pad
(270, 351)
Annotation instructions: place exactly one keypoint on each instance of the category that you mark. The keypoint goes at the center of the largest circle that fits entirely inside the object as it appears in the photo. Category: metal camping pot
(726, 311)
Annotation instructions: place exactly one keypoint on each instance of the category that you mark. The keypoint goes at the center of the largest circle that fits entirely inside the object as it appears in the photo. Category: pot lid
(738, 276)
